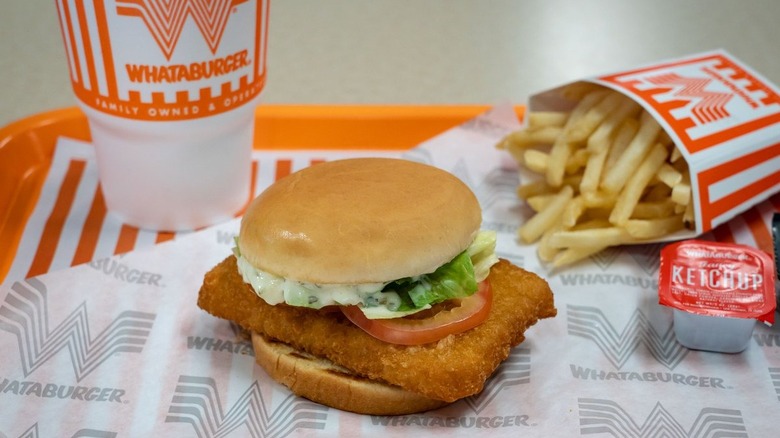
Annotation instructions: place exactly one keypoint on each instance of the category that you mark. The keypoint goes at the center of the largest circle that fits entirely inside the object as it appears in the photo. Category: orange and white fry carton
(723, 117)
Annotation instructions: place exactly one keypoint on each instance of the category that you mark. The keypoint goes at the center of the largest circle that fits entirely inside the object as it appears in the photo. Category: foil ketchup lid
(718, 279)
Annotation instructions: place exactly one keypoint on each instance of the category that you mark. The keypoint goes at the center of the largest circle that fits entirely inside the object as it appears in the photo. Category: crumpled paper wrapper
(117, 347)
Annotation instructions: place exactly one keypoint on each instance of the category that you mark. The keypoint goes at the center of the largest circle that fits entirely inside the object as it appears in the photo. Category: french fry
(688, 216)
(600, 144)
(572, 181)
(632, 192)
(681, 193)
(658, 193)
(516, 152)
(540, 202)
(669, 175)
(544, 119)
(593, 223)
(546, 252)
(599, 200)
(559, 153)
(517, 142)
(536, 160)
(534, 188)
(593, 170)
(545, 135)
(609, 176)
(576, 161)
(653, 209)
(575, 254)
(587, 124)
(573, 212)
(562, 147)
(625, 134)
(676, 155)
(593, 214)
(652, 228)
(539, 223)
(590, 237)
(599, 139)
(630, 158)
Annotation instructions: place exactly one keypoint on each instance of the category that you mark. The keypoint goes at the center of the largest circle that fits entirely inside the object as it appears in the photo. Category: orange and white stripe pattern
(753, 227)
(726, 120)
(163, 88)
(70, 224)
(165, 20)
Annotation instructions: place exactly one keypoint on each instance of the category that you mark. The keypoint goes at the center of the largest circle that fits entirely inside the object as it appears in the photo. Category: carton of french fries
(659, 153)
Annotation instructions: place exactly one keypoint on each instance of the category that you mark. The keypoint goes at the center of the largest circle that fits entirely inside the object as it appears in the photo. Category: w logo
(607, 417)
(618, 346)
(25, 314)
(604, 259)
(197, 402)
(774, 373)
(32, 432)
(165, 19)
(707, 107)
(516, 370)
(647, 256)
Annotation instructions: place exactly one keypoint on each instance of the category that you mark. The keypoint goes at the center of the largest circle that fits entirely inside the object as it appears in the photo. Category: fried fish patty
(450, 369)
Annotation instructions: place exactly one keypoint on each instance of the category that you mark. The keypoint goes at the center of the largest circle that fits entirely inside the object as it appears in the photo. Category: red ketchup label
(718, 279)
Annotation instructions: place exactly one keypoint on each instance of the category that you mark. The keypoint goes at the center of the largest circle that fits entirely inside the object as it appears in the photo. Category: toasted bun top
(359, 220)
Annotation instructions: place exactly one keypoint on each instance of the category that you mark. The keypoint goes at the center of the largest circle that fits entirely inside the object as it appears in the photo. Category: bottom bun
(324, 382)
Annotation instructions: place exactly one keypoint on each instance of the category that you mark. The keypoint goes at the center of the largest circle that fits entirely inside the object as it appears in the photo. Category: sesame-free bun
(360, 220)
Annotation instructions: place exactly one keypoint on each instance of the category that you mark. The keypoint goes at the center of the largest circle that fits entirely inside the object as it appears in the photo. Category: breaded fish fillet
(452, 368)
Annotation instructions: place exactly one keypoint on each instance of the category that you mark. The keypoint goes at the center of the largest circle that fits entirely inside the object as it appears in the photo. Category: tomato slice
(471, 312)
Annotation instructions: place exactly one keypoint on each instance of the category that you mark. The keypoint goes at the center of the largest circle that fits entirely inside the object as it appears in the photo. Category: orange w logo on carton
(165, 19)
(708, 107)
(725, 120)
(707, 101)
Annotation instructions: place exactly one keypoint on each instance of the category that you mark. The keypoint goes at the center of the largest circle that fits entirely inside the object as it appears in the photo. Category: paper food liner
(118, 347)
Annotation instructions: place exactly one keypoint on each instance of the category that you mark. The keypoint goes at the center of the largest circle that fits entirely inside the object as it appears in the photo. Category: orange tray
(27, 146)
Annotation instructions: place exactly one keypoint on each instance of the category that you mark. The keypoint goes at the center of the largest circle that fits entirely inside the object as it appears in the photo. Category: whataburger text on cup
(169, 89)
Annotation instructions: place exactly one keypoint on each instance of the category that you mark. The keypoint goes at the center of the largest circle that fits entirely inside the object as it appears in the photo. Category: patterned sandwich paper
(117, 346)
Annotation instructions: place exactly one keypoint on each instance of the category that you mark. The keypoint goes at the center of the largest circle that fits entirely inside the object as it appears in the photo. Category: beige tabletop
(428, 51)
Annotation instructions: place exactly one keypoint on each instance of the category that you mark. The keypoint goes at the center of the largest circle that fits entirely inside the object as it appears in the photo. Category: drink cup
(169, 89)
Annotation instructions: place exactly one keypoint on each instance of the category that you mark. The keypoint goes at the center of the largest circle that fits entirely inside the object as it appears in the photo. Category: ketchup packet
(718, 279)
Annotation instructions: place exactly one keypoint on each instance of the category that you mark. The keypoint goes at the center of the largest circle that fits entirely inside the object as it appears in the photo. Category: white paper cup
(169, 93)
(174, 175)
